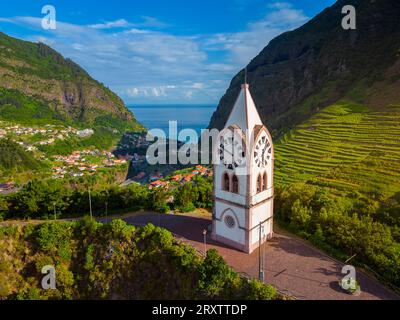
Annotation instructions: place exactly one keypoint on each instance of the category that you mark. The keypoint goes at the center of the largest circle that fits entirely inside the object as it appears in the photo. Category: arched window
(225, 182)
(259, 184)
(235, 184)
(265, 181)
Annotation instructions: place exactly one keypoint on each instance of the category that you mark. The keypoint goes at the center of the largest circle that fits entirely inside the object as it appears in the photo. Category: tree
(158, 200)
(215, 274)
(4, 205)
(185, 196)
(300, 215)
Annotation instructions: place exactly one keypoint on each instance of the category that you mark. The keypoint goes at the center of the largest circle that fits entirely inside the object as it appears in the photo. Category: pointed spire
(244, 112)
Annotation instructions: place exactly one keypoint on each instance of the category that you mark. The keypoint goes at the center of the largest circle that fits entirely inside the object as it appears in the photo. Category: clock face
(231, 152)
(262, 152)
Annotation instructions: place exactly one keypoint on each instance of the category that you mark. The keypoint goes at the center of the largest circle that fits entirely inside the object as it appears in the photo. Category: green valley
(50, 107)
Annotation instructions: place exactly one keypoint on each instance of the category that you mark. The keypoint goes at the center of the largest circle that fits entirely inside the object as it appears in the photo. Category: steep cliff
(36, 82)
(302, 71)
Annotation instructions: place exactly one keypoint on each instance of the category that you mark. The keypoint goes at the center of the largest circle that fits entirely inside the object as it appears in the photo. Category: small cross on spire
(245, 85)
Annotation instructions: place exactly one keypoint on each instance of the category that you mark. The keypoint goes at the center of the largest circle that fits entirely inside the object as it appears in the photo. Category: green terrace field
(345, 147)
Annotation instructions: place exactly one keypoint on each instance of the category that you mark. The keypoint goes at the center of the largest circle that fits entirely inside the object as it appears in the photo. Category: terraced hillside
(344, 147)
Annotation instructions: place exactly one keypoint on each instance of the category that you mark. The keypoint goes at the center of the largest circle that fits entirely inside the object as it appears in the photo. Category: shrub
(118, 261)
(51, 235)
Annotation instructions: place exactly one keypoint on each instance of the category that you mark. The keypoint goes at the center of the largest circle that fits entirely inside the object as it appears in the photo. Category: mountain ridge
(40, 73)
(316, 65)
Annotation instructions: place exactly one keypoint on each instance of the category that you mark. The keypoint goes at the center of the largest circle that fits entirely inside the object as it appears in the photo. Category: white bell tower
(243, 178)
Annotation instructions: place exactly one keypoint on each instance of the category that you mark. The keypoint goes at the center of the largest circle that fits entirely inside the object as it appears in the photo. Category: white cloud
(133, 92)
(245, 45)
(188, 95)
(156, 92)
(147, 22)
(151, 22)
(111, 24)
(144, 64)
(198, 85)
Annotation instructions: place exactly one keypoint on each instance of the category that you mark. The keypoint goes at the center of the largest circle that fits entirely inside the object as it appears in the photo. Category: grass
(345, 147)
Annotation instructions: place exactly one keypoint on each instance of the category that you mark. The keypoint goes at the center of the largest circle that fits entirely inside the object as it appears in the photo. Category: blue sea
(195, 117)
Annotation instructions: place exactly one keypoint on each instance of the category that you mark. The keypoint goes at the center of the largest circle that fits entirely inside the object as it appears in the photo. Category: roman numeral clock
(243, 178)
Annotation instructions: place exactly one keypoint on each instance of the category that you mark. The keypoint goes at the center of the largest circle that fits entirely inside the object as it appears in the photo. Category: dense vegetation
(39, 198)
(367, 226)
(344, 148)
(48, 63)
(102, 139)
(349, 226)
(17, 107)
(39, 86)
(114, 261)
(14, 157)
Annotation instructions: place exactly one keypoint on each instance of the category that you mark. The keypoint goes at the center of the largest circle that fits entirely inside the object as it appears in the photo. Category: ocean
(195, 117)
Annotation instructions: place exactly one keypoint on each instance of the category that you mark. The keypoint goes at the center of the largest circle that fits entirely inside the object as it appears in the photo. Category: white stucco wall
(235, 234)
(220, 207)
(260, 214)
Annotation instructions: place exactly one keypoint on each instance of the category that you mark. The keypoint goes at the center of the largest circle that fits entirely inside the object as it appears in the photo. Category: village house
(140, 175)
(156, 176)
(6, 186)
(189, 177)
(159, 184)
(177, 178)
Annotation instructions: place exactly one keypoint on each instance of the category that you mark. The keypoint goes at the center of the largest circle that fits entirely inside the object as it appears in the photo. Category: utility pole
(264, 254)
(107, 198)
(106, 212)
(205, 242)
(260, 256)
(90, 205)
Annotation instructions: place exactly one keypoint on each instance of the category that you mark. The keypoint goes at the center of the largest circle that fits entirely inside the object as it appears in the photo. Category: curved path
(291, 265)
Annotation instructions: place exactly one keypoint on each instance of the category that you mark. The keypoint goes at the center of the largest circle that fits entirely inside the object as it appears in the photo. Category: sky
(160, 51)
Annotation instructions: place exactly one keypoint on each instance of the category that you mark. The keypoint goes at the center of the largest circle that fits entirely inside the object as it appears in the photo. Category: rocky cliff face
(302, 71)
(41, 73)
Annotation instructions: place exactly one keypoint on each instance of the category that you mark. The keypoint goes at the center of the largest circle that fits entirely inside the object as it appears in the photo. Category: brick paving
(291, 265)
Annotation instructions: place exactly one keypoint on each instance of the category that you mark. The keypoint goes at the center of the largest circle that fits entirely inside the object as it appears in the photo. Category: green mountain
(304, 70)
(332, 99)
(38, 85)
(346, 147)
(14, 157)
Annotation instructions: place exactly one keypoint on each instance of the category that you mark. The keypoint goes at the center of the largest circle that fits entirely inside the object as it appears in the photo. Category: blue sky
(160, 51)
